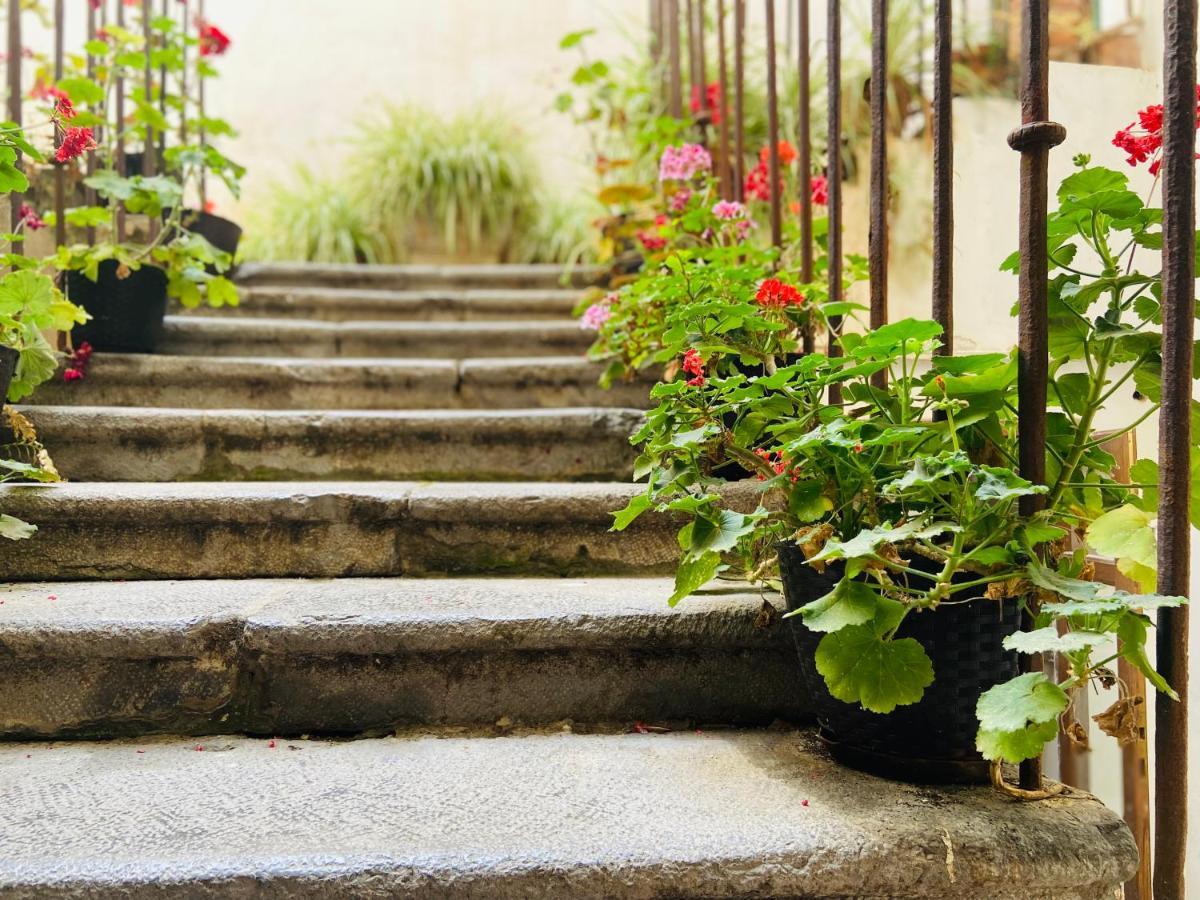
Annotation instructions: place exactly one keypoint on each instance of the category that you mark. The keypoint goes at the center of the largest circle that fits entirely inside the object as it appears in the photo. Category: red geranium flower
(1142, 139)
(787, 154)
(693, 364)
(29, 217)
(75, 142)
(213, 41)
(774, 294)
(712, 93)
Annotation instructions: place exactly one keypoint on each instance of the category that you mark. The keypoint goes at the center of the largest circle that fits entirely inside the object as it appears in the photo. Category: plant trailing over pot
(906, 559)
(124, 277)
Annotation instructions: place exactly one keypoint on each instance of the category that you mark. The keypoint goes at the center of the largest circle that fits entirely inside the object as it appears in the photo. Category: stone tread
(431, 304)
(412, 277)
(116, 443)
(279, 337)
(360, 655)
(713, 814)
(141, 380)
(329, 529)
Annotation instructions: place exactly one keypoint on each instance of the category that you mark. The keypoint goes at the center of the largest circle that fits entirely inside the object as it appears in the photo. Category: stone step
(429, 305)
(359, 655)
(126, 379)
(232, 336)
(115, 443)
(109, 531)
(715, 814)
(414, 277)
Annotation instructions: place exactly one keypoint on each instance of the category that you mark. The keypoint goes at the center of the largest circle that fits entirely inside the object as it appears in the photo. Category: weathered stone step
(414, 277)
(192, 336)
(121, 379)
(355, 655)
(117, 443)
(429, 305)
(717, 814)
(327, 530)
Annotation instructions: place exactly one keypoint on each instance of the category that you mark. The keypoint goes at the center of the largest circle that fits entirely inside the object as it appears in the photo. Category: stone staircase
(331, 608)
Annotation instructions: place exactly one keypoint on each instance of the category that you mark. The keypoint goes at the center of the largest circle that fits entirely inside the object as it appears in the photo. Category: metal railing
(1036, 136)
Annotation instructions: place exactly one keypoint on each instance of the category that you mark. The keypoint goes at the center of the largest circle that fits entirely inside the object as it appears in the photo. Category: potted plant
(125, 276)
(903, 552)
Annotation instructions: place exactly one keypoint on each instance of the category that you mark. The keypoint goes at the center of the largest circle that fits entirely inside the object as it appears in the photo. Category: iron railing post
(724, 168)
(674, 76)
(60, 175)
(739, 100)
(1033, 140)
(833, 50)
(773, 131)
(877, 249)
(943, 174)
(1174, 442)
(14, 95)
(118, 122)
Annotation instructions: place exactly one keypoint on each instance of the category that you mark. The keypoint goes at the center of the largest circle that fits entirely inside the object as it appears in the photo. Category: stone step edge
(358, 327)
(285, 274)
(373, 616)
(714, 814)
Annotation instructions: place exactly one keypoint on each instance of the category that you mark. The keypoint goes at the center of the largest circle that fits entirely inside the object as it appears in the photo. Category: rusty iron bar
(724, 169)
(833, 57)
(165, 11)
(119, 125)
(60, 174)
(1033, 140)
(148, 161)
(200, 109)
(739, 100)
(14, 95)
(674, 75)
(90, 165)
(943, 173)
(877, 242)
(183, 79)
(702, 64)
(693, 76)
(1174, 442)
(804, 143)
(654, 16)
(773, 131)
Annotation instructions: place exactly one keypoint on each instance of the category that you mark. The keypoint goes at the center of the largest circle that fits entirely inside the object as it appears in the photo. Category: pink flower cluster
(729, 210)
(30, 218)
(679, 200)
(683, 163)
(597, 314)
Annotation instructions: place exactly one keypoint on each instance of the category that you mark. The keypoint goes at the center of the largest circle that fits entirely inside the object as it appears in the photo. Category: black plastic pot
(8, 368)
(127, 313)
(932, 741)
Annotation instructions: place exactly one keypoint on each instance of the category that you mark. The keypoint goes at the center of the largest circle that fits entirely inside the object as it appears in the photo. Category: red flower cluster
(652, 242)
(758, 179)
(774, 294)
(819, 186)
(213, 41)
(778, 464)
(77, 362)
(693, 364)
(75, 142)
(787, 154)
(712, 93)
(1142, 139)
(29, 217)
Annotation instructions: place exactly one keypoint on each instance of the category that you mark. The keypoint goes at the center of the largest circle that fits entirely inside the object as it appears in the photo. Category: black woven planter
(932, 741)
(127, 313)
(8, 368)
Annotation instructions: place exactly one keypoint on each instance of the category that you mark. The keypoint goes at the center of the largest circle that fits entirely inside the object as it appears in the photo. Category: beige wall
(301, 72)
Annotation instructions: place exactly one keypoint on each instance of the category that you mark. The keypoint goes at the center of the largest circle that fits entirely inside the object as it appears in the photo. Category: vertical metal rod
(739, 100)
(1033, 140)
(877, 249)
(675, 94)
(1174, 442)
(89, 193)
(162, 91)
(773, 131)
(148, 161)
(804, 145)
(833, 51)
(200, 109)
(943, 174)
(14, 94)
(654, 16)
(693, 77)
(727, 191)
(702, 62)
(118, 121)
(183, 79)
(60, 175)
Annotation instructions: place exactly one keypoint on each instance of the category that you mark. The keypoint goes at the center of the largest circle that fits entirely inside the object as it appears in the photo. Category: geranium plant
(906, 494)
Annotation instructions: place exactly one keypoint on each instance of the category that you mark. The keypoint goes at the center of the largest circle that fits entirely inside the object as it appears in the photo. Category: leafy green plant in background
(316, 218)
(466, 180)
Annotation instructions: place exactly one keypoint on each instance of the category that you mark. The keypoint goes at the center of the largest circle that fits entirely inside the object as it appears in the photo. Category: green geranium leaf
(1125, 534)
(14, 529)
(1046, 640)
(634, 508)
(861, 667)
(865, 543)
(807, 500)
(995, 484)
(720, 534)
(693, 574)
(1028, 699)
(1017, 745)
(1132, 631)
(849, 603)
